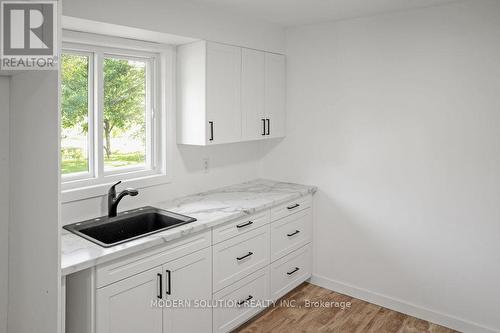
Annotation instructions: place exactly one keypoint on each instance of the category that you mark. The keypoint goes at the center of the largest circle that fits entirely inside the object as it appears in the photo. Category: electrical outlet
(206, 164)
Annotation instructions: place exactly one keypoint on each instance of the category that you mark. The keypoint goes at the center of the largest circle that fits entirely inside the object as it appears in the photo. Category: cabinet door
(253, 65)
(125, 306)
(223, 97)
(275, 94)
(188, 280)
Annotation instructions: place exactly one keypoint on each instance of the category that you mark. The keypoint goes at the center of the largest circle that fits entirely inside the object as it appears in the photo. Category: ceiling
(298, 12)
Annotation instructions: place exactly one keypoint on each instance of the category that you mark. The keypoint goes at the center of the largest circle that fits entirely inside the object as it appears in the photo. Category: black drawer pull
(292, 207)
(169, 283)
(268, 127)
(295, 270)
(211, 131)
(263, 126)
(245, 256)
(244, 224)
(244, 301)
(293, 233)
(159, 286)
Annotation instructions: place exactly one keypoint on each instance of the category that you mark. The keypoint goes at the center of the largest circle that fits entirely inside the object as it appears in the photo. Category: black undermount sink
(110, 231)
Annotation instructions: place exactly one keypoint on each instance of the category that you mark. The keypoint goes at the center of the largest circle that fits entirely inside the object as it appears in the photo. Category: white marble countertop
(209, 208)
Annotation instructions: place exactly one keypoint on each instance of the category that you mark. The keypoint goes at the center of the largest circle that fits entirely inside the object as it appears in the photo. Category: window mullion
(99, 114)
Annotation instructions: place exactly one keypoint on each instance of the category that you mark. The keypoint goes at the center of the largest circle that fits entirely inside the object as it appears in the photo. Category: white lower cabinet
(290, 271)
(241, 226)
(125, 306)
(240, 256)
(188, 282)
(212, 281)
(290, 233)
(241, 301)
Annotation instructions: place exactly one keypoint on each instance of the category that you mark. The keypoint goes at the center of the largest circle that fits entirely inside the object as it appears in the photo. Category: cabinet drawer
(240, 226)
(239, 256)
(122, 268)
(290, 233)
(290, 271)
(229, 315)
(290, 207)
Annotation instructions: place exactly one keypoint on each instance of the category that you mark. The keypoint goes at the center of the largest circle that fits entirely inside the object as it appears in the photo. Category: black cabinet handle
(268, 126)
(159, 283)
(169, 285)
(245, 256)
(291, 272)
(246, 300)
(292, 207)
(244, 224)
(263, 126)
(293, 233)
(211, 130)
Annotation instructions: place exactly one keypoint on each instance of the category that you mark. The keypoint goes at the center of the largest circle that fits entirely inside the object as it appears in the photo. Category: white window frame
(90, 119)
(160, 66)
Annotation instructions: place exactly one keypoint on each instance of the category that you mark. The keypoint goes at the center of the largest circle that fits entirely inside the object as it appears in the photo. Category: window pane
(124, 127)
(74, 122)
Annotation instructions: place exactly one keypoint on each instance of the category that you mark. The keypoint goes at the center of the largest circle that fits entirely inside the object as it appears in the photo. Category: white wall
(396, 118)
(4, 199)
(182, 18)
(34, 251)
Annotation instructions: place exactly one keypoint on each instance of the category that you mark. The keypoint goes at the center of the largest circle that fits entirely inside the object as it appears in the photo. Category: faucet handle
(112, 190)
(118, 183)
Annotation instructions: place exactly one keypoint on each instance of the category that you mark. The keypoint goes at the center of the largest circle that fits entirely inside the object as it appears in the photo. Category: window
(75, 114)
(109, 128)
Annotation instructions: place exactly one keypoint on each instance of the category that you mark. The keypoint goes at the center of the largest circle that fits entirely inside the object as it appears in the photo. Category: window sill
(94, 191)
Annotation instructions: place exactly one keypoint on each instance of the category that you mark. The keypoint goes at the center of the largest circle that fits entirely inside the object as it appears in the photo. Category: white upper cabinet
(253, 94)
(275, 95)
(223, 93)
(262, 95)
(209, 93)
(229, 94)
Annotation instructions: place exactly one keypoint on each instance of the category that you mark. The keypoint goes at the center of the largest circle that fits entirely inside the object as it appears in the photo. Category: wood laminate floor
(329, 316)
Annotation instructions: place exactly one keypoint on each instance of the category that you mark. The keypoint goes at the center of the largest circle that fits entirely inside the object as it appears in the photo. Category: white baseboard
(401, 306)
